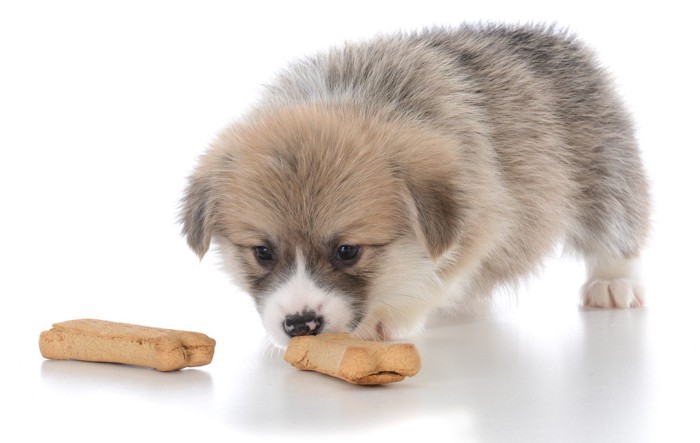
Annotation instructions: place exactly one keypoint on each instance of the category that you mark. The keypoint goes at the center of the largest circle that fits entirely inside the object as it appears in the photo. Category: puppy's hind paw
(618, 293)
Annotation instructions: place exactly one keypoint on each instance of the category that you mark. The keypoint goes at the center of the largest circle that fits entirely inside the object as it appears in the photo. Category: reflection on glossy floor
(618, 376)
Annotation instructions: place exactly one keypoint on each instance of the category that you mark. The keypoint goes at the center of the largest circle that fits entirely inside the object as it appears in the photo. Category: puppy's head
(318, 213)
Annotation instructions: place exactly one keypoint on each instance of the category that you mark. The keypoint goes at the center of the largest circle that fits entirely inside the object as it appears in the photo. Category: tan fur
(474, 151)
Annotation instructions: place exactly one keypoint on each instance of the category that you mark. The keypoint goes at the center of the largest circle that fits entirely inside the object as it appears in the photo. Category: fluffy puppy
(379, 181)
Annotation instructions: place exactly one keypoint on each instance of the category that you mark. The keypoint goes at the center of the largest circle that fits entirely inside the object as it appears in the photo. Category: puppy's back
(532, 110)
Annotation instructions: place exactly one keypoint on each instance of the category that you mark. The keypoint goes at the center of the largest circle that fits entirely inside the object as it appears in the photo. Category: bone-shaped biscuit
(360, 362)
(105, 341)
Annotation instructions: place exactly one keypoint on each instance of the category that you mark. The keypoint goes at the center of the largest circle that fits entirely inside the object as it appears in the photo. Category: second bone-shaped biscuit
(106, 341)
(356, 361)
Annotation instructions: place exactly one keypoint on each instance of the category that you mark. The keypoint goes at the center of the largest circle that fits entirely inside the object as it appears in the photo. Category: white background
(104, 109)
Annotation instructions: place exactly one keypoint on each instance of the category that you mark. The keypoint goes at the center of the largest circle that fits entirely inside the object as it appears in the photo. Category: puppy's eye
(347, 254)
(263, 254)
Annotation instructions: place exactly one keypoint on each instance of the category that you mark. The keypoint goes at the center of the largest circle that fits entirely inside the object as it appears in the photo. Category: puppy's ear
(431, 169)
(437, 210)
(197, 214)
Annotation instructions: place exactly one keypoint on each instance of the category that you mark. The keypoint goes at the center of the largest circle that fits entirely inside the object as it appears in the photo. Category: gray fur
(535, 97)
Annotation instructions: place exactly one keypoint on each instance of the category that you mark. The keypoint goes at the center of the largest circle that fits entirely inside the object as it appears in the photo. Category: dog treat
(360, 362)
(105, 341)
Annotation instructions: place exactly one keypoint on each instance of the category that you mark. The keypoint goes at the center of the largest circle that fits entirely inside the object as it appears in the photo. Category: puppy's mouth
(313, 322)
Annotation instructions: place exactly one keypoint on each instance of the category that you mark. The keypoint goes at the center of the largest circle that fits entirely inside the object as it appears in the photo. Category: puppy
(379, 181)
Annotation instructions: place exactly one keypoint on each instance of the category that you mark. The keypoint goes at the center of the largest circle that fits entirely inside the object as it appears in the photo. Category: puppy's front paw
(387, 329)
(617, 293)
(377, 333)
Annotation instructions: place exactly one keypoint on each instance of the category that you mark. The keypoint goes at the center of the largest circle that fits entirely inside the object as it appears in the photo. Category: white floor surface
(567, 375)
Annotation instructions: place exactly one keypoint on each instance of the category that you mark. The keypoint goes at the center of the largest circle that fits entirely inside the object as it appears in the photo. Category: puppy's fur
(448, 161)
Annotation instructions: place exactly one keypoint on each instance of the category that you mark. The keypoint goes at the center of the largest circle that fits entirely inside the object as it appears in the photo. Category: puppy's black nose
(306, 323)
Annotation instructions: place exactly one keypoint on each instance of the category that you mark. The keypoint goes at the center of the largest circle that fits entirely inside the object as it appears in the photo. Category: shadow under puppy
(379, 181)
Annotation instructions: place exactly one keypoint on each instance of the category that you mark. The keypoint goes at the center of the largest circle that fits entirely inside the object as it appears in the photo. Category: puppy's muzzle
(306, 323)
